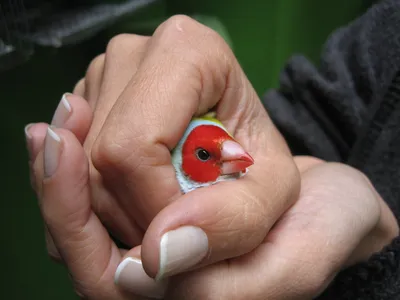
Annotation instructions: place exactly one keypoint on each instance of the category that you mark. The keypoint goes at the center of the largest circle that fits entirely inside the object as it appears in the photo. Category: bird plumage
(207, 154)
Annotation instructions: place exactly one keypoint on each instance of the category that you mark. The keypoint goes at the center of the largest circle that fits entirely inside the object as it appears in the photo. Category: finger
(35, 135)
(82, 241)
(79, 88)
(384, 232)
(117, 66)
(94, 79)
(131, 277)
(73, 113)
(134, 145)
(123, 55)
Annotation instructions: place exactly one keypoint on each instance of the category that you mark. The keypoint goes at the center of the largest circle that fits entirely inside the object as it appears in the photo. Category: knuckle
(95, 66)
(178, 24)
(106, 153)
(118, 151)
(116, 42)
(123, 42)
(184, 28)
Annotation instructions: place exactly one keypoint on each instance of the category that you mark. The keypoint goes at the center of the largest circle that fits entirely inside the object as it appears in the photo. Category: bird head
(207, 154)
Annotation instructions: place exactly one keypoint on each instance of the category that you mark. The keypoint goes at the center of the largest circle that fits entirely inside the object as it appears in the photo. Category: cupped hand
(144, 91)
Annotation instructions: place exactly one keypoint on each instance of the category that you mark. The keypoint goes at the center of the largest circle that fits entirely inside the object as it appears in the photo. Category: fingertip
(122, 266)
(26, 130)
(176, 240)
(73, 113)
(61, 165)
(34, 135)
(52, 152)
(180, 249)
(130, 276)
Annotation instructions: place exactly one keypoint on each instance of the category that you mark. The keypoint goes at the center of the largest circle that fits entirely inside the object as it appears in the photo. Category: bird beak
(234, 158)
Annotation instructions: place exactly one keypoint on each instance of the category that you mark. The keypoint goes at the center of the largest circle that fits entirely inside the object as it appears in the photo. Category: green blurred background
(263, 35)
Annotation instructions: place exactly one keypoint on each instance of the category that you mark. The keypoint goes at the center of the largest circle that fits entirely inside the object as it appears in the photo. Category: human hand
(278, 139)
(336, 222)
(143, 99)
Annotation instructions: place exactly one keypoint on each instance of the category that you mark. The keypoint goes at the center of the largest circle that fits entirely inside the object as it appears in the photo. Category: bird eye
(202, 154)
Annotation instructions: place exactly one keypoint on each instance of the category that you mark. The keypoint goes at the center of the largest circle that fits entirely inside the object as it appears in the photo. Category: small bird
(207, 154)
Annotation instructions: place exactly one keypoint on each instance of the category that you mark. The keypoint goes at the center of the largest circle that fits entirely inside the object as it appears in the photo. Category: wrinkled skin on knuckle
(125, 149)
(108, 154)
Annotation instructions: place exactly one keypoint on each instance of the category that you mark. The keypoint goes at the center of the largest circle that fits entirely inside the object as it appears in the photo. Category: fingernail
(181, 249)
(52, 152)
(131, 277)
(62, 113)
(28, 138)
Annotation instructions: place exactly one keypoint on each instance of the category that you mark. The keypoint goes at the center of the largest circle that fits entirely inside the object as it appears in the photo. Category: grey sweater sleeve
(348, 110)
(357, 65)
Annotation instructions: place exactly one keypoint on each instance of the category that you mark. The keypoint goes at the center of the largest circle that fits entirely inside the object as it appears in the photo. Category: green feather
(210, 116)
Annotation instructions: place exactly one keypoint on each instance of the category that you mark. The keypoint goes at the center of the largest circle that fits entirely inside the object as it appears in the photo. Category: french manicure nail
(181, 249)
(52, 152)
(62, 113)
(28, 138)
(131, 277)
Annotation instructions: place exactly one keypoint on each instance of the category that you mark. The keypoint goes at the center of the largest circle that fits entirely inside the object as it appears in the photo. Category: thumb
(222, 221)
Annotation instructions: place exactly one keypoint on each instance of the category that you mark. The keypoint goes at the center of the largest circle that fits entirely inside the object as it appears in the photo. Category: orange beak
(234, 158)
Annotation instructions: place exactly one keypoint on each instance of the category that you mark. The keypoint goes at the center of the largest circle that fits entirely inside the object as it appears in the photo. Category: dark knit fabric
(348, 110)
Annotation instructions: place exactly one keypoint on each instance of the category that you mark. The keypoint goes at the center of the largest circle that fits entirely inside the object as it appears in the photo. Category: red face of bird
(209, 152)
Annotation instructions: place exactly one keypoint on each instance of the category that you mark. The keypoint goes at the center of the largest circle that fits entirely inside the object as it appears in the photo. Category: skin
(275, 222)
